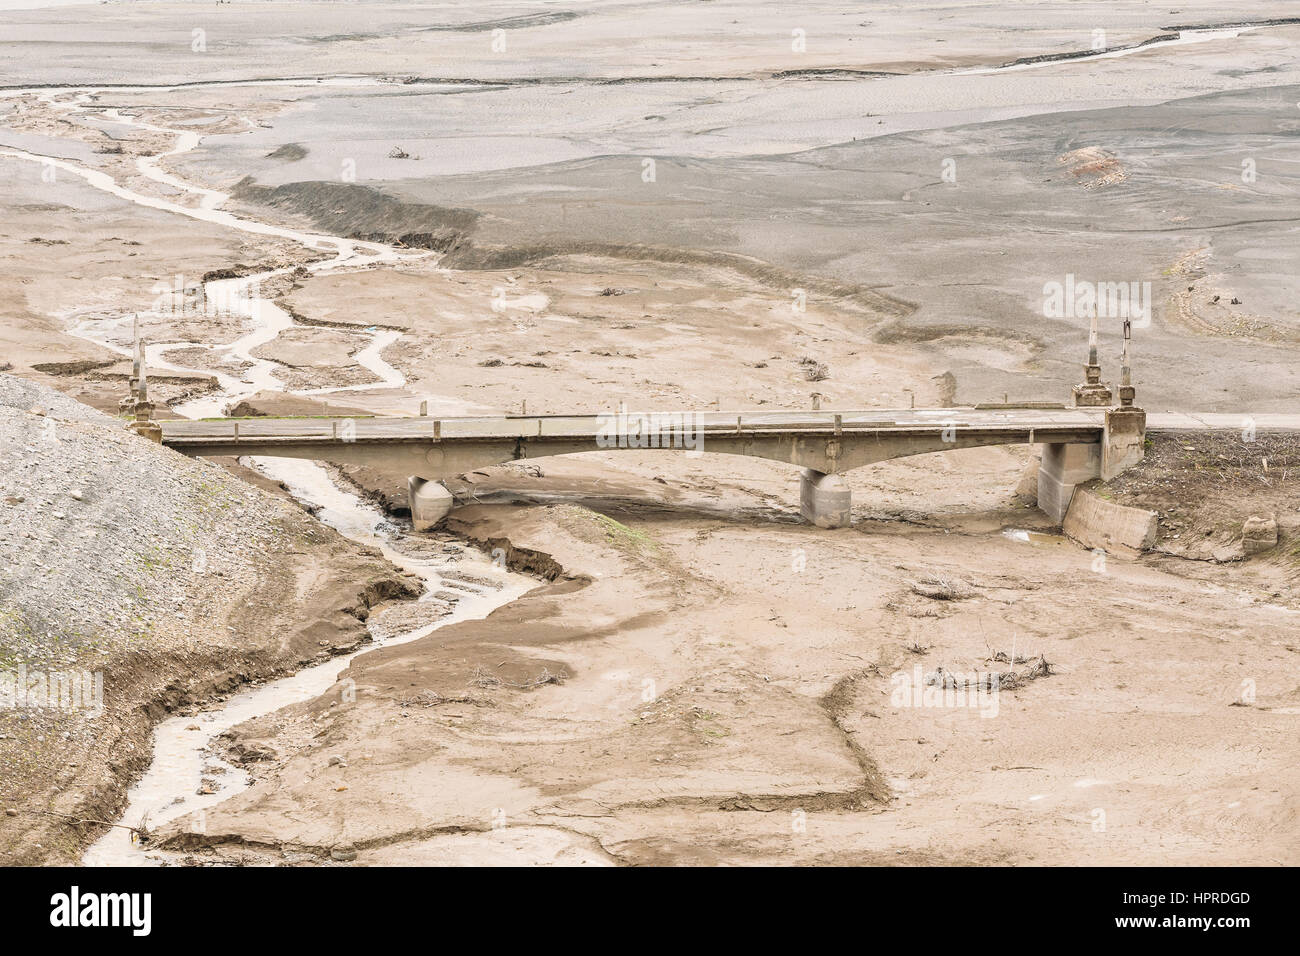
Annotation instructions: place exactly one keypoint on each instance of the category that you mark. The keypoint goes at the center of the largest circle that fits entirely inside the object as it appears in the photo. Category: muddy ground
(701, 686)
(700, 677)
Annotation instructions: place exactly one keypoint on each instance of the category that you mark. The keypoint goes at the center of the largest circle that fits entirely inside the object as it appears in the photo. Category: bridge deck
(386, 429)
(1083, 424)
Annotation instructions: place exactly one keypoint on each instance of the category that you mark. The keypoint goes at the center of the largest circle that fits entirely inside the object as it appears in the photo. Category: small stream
(181, 758)
(1183, 38)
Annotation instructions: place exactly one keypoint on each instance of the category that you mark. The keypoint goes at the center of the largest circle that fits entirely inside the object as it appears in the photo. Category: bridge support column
(430, 502)
(1065, 466)
(824, 499)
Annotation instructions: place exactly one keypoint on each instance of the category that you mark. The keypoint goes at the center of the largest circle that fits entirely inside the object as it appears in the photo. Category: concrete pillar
(430, 502)
(824, 499)
(144, 425)
(1065, 466)
(127, 405)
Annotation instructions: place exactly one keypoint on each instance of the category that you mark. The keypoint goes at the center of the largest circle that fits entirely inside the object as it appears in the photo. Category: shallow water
(1036, 538)
(168, 788)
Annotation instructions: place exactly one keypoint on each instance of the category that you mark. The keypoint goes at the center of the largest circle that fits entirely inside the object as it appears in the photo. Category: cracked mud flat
(698, 677)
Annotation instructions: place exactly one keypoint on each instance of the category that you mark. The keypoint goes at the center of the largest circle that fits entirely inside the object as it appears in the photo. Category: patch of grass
(711, 729)
(620, 535)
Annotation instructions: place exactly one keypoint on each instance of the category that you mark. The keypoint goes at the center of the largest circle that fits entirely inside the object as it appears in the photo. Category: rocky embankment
(135, 582)
(1221, 496)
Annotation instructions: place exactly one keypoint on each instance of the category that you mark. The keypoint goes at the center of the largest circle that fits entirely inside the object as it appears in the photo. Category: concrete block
(1119, 529)
(1073, 464)
(430, 502)
(1123, 441)
(825, 500)
(1092, 396)
(1053, 496)
(150, 430)
(1258, 534)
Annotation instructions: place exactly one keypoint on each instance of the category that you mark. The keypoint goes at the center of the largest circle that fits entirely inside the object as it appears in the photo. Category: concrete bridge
(1078, 443)
(1092, 439)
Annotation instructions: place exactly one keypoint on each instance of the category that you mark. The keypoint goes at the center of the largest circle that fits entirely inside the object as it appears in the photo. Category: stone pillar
(1065, 466)
(430, 502)
(824, 499)
(1092, 393)
(142, 408)
(127, 405)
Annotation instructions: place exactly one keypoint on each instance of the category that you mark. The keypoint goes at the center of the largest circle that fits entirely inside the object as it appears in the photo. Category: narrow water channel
(182, 756)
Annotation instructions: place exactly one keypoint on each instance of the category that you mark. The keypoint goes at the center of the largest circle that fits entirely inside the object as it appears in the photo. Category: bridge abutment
(430, 502)
(824, 499)
(1064, 467)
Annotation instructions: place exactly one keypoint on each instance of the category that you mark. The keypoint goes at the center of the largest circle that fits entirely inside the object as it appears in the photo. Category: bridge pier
(1065, 466)
(430, 502)
(824, 499)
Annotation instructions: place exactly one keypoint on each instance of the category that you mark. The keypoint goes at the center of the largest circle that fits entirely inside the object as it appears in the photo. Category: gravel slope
(163, 577)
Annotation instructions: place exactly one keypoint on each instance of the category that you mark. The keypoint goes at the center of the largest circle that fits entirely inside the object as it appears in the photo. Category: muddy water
(172, 785)
(181, 760)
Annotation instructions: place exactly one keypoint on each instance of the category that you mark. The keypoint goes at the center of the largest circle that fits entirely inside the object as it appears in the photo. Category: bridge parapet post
(144, 425)
(127, 405)
(1092, 393)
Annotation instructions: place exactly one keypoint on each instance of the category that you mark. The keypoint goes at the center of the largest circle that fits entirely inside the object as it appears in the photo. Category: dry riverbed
(697, 676)
(701, 683)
